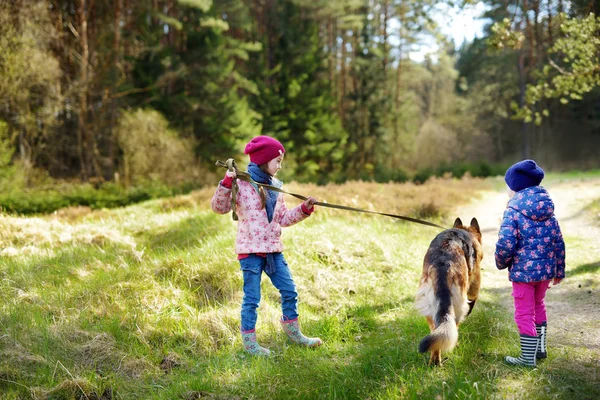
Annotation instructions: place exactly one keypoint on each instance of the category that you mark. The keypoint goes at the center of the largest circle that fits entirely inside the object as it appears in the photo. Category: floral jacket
(255, 234)
(530, 243)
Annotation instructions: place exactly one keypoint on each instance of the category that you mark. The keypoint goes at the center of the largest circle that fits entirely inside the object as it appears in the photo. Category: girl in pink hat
(261, 215)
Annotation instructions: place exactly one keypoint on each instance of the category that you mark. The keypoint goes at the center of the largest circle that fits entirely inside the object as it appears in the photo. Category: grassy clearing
(594, 211)
(558, 177)
(143, 302)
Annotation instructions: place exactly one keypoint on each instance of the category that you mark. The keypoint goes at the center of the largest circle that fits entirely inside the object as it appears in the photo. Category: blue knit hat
(523, 174)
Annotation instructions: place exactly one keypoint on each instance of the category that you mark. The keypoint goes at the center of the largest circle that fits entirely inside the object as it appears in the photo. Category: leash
(245, 176)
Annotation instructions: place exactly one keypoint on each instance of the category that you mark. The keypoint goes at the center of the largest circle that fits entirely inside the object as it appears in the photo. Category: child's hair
(261, 190)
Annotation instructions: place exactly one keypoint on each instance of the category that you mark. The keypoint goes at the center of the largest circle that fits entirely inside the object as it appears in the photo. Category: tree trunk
(529, 33)
(126, 24)
(331, 55)
(82, 141)
(384, 34)
(550, 33)
(398, 80)
(270, 9)
(537, 29)
(522, 83)
(117, 71)
(342, 80)
(399, 71)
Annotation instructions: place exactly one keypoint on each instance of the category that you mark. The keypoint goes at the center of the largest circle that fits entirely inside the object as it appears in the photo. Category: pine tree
(294, 94)
(196, 80)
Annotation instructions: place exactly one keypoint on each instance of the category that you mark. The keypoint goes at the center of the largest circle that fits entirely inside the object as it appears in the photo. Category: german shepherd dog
(449, 285)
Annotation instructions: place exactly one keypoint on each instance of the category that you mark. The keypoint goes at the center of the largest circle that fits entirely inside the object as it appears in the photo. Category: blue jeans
(252, 267)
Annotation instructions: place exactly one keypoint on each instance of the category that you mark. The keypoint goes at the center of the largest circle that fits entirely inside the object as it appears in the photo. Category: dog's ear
(475, 225)
(457, 223)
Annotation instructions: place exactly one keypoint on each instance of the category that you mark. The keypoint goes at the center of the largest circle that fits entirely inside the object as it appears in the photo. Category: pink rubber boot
(252, 346)
(292, 330)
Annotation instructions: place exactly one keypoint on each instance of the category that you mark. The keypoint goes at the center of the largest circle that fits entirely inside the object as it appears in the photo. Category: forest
(120, 278)
(130, 91)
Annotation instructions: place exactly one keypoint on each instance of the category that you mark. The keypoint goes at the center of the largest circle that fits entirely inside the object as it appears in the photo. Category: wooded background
(126, 90)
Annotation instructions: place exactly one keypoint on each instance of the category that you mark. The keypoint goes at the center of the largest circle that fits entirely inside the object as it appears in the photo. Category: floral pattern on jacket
(255, 234)
(530, 242)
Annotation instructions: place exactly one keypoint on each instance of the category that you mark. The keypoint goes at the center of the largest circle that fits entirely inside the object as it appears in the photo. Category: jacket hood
(534, 203)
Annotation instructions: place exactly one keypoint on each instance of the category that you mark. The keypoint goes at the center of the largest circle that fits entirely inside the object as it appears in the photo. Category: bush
(422, 175)
(384, 175)
(152, 151)
(481, 169)
(43, 201)
(6, 145)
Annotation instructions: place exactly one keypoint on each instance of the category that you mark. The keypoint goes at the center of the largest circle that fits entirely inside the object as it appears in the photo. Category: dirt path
(574, 305)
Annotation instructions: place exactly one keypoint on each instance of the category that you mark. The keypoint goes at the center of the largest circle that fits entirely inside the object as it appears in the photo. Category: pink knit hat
(263, 149)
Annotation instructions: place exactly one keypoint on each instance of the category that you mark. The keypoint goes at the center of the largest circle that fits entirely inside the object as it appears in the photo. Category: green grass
(557, 177)
(552, 178)
(49, 198)
(594, 211)
(143, 302)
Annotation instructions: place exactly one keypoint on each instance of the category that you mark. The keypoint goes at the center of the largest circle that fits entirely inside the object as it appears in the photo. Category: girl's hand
(230, 174)
(309, 203)
(556, 281)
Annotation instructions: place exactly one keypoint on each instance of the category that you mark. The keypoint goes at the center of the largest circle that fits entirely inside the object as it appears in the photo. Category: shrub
(383, 175)
(480, 169)
(152, 151)
(6, 145)
(110, 195)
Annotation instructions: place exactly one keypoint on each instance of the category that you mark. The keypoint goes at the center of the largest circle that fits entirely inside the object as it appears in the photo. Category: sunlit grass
(557, 177)
(143, 302)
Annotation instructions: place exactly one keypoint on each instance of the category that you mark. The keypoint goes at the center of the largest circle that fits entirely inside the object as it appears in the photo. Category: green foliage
(293, 95)
(7, 147)
(30, 74)
(481, 169)
(332, 79)
(203, 5)
(109, 195)
(573, 68)
(33, 191)
(490, 83)
(383, 174)
(449, 131)
(200, 88)
(503, 36)
(152, 151)
(173, 22)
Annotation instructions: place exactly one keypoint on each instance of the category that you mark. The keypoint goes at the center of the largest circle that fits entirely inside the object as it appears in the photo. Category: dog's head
(473, 228)
(475, 232)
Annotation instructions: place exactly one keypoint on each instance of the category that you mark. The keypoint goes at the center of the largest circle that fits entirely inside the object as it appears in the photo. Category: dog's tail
(443, 338)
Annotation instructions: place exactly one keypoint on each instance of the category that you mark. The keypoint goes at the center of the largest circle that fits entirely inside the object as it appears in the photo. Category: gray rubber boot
(541, 331)
(529, 346)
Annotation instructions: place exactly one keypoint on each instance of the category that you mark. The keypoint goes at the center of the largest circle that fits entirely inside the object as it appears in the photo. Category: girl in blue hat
(531, 246)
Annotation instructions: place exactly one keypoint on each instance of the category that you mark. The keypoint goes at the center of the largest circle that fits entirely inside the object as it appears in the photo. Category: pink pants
(529, 305)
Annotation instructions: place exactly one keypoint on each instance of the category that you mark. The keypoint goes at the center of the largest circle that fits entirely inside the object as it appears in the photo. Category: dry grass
(74, 213)
(143, 302)
(435, 198)
(22, 236)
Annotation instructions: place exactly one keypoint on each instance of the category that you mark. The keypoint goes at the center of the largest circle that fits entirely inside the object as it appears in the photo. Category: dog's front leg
(473, 292)
(471, 305)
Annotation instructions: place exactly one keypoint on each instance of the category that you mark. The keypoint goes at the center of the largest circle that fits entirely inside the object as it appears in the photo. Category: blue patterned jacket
(530, 243)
